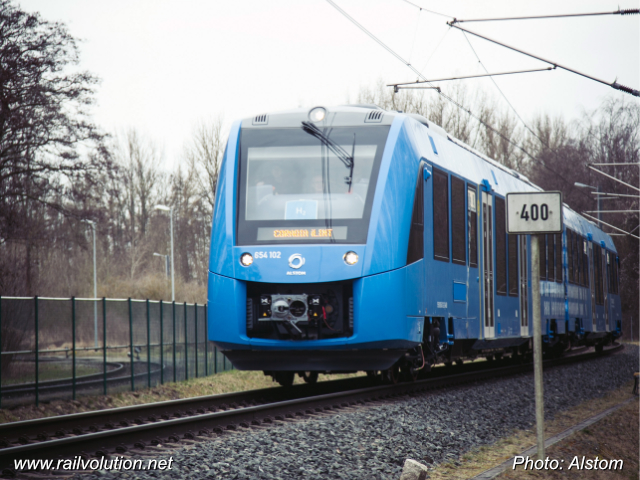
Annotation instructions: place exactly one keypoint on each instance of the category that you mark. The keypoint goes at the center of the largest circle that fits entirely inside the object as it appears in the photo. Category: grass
(225, 382)
(485, 457)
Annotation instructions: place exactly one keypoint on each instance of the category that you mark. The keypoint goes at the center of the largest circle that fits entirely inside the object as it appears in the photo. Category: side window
(472, 215)
(440, 215)
(542, 253)
(558, 257)
(570, 254)
(576, 256)
(584, 273)
(597, 263)
(458, 240)
(609, 273)
(551, 257)
(585, 263)
(415, 250)
(513, 265)
(501, 248)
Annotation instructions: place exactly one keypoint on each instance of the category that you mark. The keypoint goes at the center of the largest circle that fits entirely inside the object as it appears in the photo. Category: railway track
(131, 430)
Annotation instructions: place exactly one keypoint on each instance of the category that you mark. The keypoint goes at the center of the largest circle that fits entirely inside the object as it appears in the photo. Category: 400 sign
(534, 212)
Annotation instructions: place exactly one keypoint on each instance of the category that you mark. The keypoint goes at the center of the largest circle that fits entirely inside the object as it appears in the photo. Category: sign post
(534, 213)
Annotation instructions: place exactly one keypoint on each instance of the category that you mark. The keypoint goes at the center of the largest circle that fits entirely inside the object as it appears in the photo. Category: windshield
(300, 187)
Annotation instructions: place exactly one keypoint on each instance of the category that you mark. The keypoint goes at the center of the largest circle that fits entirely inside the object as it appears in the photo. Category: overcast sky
(165, 65)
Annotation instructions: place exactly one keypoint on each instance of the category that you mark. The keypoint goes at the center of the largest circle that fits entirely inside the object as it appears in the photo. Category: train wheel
(410, 374)
(285, 378)
(310, 377)
(391, 375)
(599, 347)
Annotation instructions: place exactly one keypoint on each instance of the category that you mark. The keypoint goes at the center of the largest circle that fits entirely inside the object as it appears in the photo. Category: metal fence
(60, 348)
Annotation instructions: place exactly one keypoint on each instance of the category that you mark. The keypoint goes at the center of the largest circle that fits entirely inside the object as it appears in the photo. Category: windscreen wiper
(340, 152)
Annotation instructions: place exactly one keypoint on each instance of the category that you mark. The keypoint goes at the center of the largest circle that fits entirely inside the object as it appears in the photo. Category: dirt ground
(613, 437)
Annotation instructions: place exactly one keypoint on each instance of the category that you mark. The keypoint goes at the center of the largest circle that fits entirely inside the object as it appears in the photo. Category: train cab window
(415, 251)
(501, 248)
(458, 238)
(293, 189)
(542, 256)
(472, 219)
(513, 265)
(440, 215)
(550, 257)
(558, 252)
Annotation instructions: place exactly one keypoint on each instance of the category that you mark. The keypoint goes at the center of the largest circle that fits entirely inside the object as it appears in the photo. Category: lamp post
(95, 283)
(597, 189)
(166, 259)
(164, 208)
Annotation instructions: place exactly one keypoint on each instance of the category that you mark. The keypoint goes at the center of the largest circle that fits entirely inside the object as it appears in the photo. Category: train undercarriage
(439, 347)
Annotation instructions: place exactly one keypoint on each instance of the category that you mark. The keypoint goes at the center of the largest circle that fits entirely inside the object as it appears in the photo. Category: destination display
(281, 233)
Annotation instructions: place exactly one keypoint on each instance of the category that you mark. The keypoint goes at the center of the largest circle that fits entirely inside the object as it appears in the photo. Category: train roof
(504, 178)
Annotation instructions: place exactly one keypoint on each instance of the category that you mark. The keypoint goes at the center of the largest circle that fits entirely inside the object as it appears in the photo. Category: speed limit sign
(534, 212)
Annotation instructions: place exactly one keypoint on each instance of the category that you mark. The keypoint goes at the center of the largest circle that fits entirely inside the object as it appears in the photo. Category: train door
(524, 287)
(605, 286)
(487, 264)
(592, 282)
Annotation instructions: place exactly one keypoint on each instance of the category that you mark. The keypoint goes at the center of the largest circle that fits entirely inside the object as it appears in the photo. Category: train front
(309, 243)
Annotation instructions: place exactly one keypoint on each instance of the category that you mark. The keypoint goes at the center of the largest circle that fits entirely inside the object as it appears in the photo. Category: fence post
(206, 343)
(161, 346)
(73, 345)
(37, 353)
(215, 359)
(131, 344)
(195, 313)
(148, 347)
(104, 344)
(175, 378)
(186, 345)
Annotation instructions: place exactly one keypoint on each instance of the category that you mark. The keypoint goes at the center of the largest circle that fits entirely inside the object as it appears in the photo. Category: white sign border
(506, 201)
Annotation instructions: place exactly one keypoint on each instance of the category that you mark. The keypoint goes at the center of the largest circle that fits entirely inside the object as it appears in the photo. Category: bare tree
(204, 154)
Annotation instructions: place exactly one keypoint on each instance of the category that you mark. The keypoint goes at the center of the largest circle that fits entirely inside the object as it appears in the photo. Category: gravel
(374, 441)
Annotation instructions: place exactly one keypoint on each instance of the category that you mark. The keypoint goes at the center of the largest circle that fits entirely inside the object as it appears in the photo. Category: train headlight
(317, 114)
(246, 259)
(350, 258)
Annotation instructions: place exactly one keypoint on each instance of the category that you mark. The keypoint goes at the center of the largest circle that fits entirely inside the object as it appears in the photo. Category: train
(353, 238)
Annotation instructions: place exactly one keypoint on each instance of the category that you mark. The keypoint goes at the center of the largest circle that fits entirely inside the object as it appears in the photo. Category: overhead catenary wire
(613, 84)
(504, 96)
(420, 75)
(444, 95)
(629, 11)
(613, 178)
(469, 76)
(529, 129)
(609, 225)
(427, 10)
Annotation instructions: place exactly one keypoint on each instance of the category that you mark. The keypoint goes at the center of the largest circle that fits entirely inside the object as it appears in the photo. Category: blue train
(353, 238)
